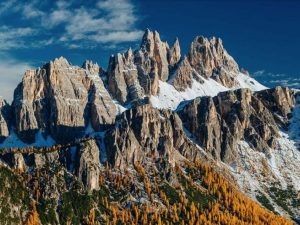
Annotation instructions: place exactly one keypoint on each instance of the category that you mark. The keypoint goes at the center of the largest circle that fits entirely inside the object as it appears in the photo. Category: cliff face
(61, 100)
(220, 122)
(210, 59)
(143, 132)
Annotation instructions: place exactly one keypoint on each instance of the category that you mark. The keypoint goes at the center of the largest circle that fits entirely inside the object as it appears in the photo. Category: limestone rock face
(210, 59)
(88, 169)
(220, 122)
(132, 75)
(153, 48)
(102, 109)
(41, 159)
(19, 163)
(58, 99)
(174, 55)
(93, 68)
(5, 119)
(123, 80)
(183, 76)
(143, 131)
(152, 62)
(279, 100)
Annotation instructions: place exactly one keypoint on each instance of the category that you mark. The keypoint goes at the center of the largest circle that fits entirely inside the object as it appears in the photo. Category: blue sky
(263, 36)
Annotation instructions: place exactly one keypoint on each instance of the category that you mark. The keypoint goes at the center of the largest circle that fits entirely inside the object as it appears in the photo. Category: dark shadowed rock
(280, 101)
(219, 123)
(5, 119)
(123, 80)
(144, 131)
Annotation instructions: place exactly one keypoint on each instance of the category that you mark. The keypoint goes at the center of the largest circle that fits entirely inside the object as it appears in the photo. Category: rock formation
(144, 131)
(174, 54)
(219, 123)
(280, 101)
(183, 76)
(88, 165)
(5, 119)
(123, 80)
(58, 99)
(211, 60)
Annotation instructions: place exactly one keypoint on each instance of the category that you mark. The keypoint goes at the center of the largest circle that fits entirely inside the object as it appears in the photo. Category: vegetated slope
(151, 193)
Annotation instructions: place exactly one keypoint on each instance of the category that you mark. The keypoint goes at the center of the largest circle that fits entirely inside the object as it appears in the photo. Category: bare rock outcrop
(5, 119)
(280, 101)
(211, 60)
(58, 99)
(174, 54)
(88, 169)
(132, 75)
(219, 123)
(182, 78)
(123, 80)
(143, 132)
(19, 162)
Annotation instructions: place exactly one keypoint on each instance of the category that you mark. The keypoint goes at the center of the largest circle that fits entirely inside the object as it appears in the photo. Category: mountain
(158, 137)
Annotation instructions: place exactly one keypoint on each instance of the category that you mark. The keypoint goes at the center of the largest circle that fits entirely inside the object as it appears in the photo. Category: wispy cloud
(102, 22)
(277, 79)
(11, 37)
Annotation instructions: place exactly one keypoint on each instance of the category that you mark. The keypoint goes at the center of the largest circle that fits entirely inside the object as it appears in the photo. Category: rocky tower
(211, 60)
(59, 99)
(135, 74)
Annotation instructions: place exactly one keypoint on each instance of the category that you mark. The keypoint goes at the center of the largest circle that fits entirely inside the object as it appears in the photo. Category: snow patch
(246, 81)
(13, 141)
(170, 98)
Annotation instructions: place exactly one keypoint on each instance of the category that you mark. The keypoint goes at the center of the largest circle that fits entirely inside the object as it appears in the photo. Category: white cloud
(103, 22)
(117, 37)
(11, 37)
(30, 12)
(9, 6)
(11, 73)
(113, 21)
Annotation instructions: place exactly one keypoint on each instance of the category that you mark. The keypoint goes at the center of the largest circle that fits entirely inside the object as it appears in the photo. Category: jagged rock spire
(174, 53)
(210, 59)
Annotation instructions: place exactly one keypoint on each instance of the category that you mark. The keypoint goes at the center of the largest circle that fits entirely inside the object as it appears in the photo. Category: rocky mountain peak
(149, 131)
(60, 96)
(211, 60)
(59, 99)
(174, 54)
(60, 62)
(93, 68)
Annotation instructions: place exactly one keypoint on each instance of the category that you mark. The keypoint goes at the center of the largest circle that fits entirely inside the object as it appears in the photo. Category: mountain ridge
(159, 117)
(130, 78)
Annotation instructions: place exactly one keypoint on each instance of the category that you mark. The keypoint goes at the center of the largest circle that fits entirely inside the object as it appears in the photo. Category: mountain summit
(61, 100)
(159, 137)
